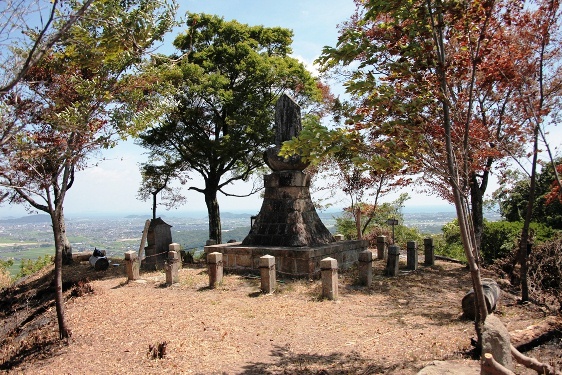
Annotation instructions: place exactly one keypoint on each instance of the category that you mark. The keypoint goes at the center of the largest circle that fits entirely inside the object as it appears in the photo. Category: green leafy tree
(514, 197)
(79, 99)
(231, 76)
(431, 85)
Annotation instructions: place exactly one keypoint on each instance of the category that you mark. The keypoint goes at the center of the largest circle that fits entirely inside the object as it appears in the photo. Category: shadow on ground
(287, 362)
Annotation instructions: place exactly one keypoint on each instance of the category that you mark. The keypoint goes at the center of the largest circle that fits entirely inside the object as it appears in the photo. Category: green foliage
(499, 239)
(513, 198)
(451, 250)
(5, 264)
(231, 76)
(29, 267)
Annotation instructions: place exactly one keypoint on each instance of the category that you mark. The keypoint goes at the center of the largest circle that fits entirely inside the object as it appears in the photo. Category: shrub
(5, 277)
(500, 238)
(545, 274)
(29, 267)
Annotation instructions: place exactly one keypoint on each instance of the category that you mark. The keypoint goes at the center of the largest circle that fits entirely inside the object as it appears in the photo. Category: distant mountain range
(31, 219)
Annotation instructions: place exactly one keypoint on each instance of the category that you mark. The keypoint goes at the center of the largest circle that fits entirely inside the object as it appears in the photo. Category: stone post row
(329, 271)
(214, 263)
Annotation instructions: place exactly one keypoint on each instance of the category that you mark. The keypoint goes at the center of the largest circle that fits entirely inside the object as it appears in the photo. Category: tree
(231, 76)
(539, 97)
(76, 101)
(23, 44)
(513, 198)
(419, 67)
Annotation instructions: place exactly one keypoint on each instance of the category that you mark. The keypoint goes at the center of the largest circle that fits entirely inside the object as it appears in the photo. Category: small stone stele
(132, 265)
(366, 268)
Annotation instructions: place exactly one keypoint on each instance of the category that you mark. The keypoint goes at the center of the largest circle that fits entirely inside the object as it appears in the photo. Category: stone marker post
(267, 273)
(412, 255)
(172, 265)
(132, 265)
(381, 247)
(392, 261)
(214, 262)
(366, 268)
(339, 237)
(428, 252)
(329, 270)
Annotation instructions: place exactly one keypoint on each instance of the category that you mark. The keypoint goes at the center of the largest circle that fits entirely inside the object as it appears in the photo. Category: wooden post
(381, 247)
(428, 252)
(214, 261)
(392, 261)
(172, 266)
(267, 273)
(132, 265)
(329, 270)
(366, 268)
(412, 255)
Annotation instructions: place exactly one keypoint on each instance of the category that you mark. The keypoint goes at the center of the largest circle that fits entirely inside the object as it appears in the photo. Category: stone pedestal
(293, 262)
(287, 216)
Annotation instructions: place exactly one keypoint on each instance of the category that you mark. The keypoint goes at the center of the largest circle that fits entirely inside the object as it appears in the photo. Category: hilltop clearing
(397, 326)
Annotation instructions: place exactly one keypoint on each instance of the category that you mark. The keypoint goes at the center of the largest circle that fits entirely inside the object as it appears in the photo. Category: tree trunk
(527, 222)
(477, 203)
(213, 211)
(59, 236)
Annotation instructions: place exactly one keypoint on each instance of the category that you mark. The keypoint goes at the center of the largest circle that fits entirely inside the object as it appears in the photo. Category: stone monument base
(293, 262)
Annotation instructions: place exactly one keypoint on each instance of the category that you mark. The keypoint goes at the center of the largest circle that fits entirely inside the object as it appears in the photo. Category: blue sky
(111, 186)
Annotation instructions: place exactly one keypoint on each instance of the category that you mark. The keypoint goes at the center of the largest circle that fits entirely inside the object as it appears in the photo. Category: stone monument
(287, 226)
(287, 216)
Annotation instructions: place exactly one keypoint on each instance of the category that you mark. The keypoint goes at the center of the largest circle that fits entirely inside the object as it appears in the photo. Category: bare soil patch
(397, 326)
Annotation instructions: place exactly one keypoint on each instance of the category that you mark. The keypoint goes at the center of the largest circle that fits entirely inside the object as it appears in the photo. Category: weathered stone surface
(290, 261)
(451, 368)
(329, 269)
(495, 340)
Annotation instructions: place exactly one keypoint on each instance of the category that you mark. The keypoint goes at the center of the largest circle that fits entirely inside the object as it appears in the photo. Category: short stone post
(267, 273)
(392, 261)
(366, 268)
(428, 252)
(412, 255)
(214, 262)
(329, 270)
(172, 266)
(132, 265)
(381, 247)
(339, 237)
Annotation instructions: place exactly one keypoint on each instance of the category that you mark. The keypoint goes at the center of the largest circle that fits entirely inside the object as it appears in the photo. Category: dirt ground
(397, 326)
